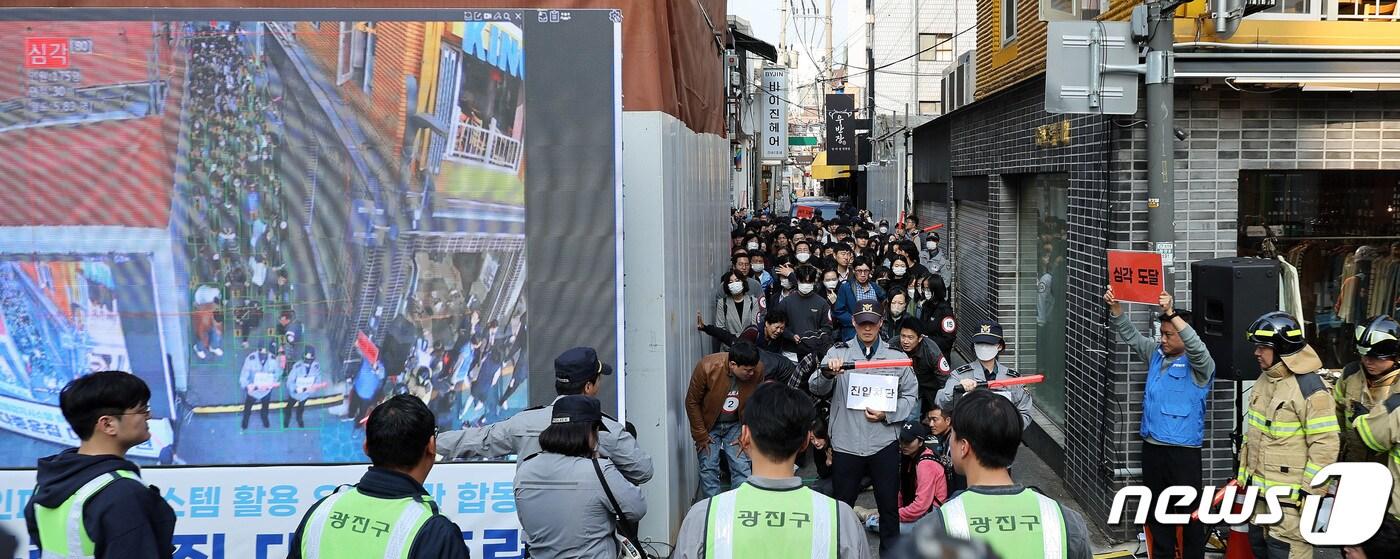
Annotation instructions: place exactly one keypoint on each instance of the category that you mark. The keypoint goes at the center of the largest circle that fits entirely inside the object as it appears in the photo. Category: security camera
(1180, 134)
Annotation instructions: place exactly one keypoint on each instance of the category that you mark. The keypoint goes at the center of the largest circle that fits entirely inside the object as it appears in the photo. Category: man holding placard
(867, 409)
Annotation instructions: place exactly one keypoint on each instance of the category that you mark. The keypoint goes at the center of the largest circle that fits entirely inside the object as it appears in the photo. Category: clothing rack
(1387, 238)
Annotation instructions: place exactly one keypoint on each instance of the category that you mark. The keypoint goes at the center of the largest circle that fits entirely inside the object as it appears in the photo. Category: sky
(766, 19)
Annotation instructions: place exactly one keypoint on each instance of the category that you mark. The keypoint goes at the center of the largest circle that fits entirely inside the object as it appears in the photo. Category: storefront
(1341, 230)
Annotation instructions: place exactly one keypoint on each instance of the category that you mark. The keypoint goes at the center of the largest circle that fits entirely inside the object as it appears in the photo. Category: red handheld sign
(1135, 275)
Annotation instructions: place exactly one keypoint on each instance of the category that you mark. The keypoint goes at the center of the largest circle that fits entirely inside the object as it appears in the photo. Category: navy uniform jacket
(438, 538)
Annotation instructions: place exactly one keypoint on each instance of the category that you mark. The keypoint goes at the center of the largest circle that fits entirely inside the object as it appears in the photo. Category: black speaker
(1227, 295)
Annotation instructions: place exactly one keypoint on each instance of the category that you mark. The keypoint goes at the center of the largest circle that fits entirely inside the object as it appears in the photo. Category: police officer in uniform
(1015, 521)
(1292, 430)
(117, 515)
(987, 344)
(772, 515)
(388, 513)
(865, 441)
(1378, 343)
(576, 371)
(570, 501)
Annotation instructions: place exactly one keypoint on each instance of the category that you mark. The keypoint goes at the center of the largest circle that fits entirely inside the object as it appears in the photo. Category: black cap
(988, 333)
(868, 311)
(578, 409)
(912, 430)
(579, 364)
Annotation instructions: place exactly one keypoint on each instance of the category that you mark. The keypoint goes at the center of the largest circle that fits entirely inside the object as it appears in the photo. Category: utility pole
(829, 62)
(782, 34)
(869, 90)
(1161, 132)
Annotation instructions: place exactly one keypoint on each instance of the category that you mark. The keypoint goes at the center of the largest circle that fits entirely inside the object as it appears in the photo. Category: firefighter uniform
(1357, 393)
(1291, 433)
(1380, 431)
(1356, 396)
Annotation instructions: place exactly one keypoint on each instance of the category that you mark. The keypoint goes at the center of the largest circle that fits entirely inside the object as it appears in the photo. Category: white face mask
(899, 271)
(830, 284)
(757, 266)
(928, 293)
(806, 288)
(787, 284)
(932, 245)
(752, 246)
(803, 256)
(909, 292)
(896, 310)
(986, 352)
(736, 287)
(884, 229)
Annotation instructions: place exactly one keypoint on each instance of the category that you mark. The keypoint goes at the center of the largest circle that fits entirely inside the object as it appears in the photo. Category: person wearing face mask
(751, 244)
(802, 252)
(830, 281)
(741, 263)
(807, 310)
(910, 251)
(1292, 431)
(1378, 344)
(896, 309)
(758, 270)
(884, 227)
(738, 308)
(932, 256)
(937, 314)
(900, 276)
(784, 282)
(988, 343)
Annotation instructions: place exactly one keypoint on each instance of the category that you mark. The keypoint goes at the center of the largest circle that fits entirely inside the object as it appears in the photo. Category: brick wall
(1106, 161)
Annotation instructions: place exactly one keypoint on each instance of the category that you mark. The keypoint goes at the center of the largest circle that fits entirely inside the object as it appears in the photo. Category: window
(1041, 273)
(935, 47)
(930, 107)
(1008, 21)
(355, 54)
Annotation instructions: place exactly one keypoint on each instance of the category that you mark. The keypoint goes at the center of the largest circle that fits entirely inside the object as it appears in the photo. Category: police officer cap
(1278, 330)
(578, 409)
(579, 364)
(988, 332)
(1379, 338)
(868, 311)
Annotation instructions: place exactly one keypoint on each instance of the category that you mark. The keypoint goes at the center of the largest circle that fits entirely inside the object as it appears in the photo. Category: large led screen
(279, 218)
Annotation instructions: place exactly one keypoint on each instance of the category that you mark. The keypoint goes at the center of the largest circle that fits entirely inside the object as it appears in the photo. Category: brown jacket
(709, 385)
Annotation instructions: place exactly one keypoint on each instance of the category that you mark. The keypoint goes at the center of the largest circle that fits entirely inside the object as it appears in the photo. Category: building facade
(1277, 148)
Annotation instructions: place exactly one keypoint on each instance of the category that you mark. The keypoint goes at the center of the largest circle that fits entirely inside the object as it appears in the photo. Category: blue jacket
(845, 307)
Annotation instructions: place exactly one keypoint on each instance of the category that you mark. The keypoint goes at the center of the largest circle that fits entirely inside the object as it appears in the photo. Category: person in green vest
(388, 514)
(772, 515)
(89, 502)
(1014, 520)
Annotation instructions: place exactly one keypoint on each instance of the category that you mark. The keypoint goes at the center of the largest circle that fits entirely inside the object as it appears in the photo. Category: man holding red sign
(1173, 413)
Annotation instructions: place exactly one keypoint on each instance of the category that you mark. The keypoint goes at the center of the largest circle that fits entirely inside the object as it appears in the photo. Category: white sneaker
(200, 353)
(218, 352)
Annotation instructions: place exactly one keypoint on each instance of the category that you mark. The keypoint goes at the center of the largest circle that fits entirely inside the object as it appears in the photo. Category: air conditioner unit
(959, 81)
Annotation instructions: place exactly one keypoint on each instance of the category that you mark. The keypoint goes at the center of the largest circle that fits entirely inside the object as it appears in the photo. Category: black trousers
(248, 401)
(299, 406)
(1162, 467)
(847, 471)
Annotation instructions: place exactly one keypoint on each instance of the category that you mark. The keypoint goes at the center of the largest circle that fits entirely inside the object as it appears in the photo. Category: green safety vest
(62, 534)
(351, 524)
(1024, 525)
(771, 524)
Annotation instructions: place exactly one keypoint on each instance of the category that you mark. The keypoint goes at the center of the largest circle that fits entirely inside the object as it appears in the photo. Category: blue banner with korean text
(251, 512)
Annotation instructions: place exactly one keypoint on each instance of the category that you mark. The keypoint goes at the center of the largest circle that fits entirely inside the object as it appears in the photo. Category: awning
(823, 172)
(743, 41)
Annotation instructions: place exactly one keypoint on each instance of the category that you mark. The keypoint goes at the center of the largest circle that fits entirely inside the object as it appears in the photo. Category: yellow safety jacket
(1291, 430)
(1380, 431)
(1356, 395)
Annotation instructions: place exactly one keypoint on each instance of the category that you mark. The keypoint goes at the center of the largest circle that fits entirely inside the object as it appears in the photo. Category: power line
(863, 71)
